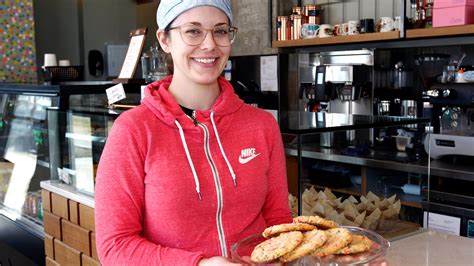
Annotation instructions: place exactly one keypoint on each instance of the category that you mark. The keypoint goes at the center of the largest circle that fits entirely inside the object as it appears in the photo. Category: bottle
(460, 76)
(145, 61)
(158, 63)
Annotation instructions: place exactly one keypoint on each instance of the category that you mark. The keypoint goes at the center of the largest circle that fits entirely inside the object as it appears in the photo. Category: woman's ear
(164, 40)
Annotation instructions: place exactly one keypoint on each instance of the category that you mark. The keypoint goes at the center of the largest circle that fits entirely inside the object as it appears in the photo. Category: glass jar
(154, 64)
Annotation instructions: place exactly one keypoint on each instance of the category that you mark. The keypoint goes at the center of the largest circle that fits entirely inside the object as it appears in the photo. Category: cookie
(338, 238)
(275, 247)
(316, 221)
(311, 241)
(359, 244)
(281, 228)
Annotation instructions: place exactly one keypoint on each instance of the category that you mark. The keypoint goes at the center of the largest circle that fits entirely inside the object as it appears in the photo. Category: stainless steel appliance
(336, 82)
(344, 79)
(453, 118)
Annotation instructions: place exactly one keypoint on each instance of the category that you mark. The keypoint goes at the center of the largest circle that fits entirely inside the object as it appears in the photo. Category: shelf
(451, 31)
(367, 37)
(85, 137)
(440, 32)
(333, 155)
(42, 163)
(349, 190)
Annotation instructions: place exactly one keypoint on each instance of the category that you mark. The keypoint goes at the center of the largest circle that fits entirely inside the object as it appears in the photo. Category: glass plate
(241, 251)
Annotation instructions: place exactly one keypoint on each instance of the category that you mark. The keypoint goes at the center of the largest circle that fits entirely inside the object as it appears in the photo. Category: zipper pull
(194, 118)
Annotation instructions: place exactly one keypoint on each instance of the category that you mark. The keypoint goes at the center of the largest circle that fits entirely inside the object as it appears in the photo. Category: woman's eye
(193, 31)
(221, 32)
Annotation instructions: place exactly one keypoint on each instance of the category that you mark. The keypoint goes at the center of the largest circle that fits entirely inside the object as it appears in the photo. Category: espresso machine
(452, 119)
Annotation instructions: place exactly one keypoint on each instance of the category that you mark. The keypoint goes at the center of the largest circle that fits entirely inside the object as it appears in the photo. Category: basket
(55, 74)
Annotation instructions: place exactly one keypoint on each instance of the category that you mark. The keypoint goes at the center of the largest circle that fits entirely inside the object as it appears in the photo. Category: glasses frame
(231, 29)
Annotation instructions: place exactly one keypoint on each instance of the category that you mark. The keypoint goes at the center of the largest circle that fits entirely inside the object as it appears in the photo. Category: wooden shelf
(349, 190)
(440, 32)
(451, 31)
(367, 37)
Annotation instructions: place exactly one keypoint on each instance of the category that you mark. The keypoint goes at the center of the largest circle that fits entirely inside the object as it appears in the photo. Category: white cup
(353, 27)
(402, 142)
(397, 22)
(325, 30)
(386, 24)
(64, 63)
(50, 60)
(309, 30)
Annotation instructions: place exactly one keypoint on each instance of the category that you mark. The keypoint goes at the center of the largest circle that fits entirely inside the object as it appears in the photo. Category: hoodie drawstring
(222, 150)
(188, 156)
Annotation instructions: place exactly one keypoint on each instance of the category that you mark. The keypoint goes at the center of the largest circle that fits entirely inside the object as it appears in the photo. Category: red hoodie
(165, 192)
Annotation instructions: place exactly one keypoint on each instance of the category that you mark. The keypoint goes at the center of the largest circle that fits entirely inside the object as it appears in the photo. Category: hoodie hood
(164, 106)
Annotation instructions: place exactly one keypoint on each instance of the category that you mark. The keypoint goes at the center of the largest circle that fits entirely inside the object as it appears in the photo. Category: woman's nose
(209, 43)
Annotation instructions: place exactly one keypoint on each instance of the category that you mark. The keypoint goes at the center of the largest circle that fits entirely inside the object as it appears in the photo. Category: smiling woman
(193, 169)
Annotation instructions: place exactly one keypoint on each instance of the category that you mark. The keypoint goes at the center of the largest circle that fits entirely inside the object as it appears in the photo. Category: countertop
(431, 248)
(68, 192)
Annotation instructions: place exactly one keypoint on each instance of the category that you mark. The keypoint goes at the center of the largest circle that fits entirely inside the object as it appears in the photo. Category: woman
(193, 169)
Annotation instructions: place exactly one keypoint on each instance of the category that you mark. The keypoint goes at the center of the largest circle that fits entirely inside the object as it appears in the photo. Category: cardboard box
(452, 16)
(452, 3)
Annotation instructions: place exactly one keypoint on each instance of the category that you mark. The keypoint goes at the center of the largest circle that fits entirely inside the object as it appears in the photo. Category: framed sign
(135, 47)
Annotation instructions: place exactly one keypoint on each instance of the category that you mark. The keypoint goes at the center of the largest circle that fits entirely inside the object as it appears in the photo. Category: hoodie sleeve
(119, 203)
(276, 209)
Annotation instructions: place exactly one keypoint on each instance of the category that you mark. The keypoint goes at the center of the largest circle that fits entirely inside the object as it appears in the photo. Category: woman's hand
(216, 261)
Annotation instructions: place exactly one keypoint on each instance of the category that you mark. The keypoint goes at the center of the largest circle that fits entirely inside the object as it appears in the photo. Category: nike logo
(246, 155)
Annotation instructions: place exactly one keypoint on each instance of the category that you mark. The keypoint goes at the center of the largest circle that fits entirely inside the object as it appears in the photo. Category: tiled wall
(69, 231)
(17, 41)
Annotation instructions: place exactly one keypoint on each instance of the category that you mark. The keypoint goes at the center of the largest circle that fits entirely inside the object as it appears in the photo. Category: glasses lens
(195, 35)
(223, 36)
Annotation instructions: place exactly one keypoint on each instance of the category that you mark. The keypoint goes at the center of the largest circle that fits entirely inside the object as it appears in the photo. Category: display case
(25, 149)
(359, 170)
(77, 137)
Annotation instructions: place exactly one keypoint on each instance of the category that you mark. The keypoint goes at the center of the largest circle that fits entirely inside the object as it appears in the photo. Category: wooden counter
(69, 226)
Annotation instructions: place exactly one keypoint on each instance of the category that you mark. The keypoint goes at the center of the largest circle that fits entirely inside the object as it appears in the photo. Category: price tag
(115, 93)
(66, 175)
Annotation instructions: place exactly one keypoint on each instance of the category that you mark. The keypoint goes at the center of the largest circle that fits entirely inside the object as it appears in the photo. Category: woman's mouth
(205, 60)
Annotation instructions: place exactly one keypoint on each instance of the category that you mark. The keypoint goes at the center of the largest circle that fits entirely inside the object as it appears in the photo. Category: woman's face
(201, 64)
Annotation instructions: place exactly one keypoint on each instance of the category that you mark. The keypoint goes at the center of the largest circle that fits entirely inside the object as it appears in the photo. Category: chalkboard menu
(254, 23)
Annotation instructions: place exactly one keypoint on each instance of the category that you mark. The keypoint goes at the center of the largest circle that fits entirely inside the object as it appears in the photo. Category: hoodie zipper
(215, 174)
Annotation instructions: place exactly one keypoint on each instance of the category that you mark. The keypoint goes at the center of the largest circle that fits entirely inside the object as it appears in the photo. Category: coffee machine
(336, 82)
(452, 119)
(343, 79)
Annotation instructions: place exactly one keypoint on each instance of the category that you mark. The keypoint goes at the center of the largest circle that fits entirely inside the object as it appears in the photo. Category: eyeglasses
(194, 34)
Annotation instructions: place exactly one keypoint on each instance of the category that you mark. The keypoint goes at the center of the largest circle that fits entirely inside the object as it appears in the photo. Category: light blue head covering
(168, 10)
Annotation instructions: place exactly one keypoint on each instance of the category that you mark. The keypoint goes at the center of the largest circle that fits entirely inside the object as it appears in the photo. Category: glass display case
(358, 170)
(25, 150)
(77, 137)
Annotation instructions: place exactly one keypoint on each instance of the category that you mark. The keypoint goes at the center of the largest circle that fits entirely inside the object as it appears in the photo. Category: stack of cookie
(307, 235)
